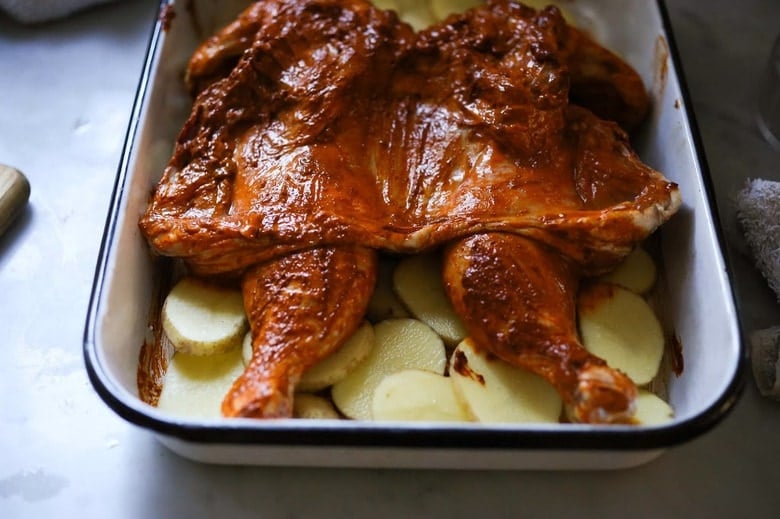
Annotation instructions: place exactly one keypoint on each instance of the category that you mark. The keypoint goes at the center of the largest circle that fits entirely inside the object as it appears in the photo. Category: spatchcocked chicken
(324, 132)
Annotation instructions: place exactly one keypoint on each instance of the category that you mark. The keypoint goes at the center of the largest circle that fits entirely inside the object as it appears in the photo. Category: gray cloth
(765, 360)
(34, 11)
(758, 212)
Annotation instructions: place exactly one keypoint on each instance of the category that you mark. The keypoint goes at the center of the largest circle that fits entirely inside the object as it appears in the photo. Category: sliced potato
(195, 385)
(651, 409)
(338, 365)
(315, 407)
(384, 304)
(203, 319)
(246, 348)
(637, 273)
(416, 13)
(390, 5)
(494, 391)
(333, 368)
(441, 9)
(415, 395)
(621, 328)
(400, 344)
(418, 282)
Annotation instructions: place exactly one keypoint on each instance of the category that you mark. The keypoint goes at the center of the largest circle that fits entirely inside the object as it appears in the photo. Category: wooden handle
(14, 192)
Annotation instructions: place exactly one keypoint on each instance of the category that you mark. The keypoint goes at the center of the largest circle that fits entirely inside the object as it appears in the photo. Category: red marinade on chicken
(325, 132)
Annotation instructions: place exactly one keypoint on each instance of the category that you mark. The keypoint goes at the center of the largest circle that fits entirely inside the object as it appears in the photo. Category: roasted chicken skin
(517, 300)
(329, 125)
(300, 306)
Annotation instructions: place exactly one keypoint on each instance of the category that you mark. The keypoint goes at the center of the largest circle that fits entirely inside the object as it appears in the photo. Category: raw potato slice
(388, 5)
(416, 13)
(333, 368)
(384, 304)
(494, 391)
(651, 409)
(203, 319)
(313, 407)
(414, 395)
(621, 328)
(246, 348)
(400, 344)
(418, 282)
(195, 385)
(441, 9)
(637, 273)
(339, 364)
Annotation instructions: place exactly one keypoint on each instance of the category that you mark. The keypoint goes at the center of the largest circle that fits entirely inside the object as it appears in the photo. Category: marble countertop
(65, 96)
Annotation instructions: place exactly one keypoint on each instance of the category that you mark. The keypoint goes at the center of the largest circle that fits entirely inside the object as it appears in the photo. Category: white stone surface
(66, 89)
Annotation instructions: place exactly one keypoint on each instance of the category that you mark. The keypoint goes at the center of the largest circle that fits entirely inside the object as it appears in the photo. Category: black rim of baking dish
(360, 434)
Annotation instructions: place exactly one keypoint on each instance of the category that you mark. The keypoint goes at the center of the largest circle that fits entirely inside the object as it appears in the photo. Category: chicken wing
(602, 82)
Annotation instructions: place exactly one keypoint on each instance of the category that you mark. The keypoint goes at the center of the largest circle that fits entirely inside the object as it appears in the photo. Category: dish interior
(698, 301)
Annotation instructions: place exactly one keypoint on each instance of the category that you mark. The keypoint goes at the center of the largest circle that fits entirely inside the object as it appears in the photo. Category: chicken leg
(301, 308)
(517, 300)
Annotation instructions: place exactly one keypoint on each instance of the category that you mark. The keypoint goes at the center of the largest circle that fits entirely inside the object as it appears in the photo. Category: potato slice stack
(412, 361)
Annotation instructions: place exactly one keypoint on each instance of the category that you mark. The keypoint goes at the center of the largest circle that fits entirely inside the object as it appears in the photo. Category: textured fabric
(758, 211)
(33, 11)
(765, 359)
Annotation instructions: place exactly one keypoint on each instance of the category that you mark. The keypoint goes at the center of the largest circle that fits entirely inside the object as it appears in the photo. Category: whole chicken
(326, 131)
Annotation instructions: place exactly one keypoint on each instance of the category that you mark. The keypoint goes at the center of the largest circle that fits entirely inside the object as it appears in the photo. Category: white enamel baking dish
(699, 302)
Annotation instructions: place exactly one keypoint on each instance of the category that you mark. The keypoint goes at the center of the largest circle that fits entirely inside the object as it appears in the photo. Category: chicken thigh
(517, 300)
